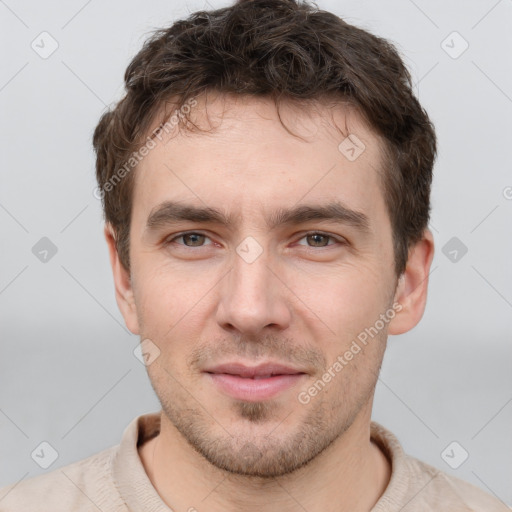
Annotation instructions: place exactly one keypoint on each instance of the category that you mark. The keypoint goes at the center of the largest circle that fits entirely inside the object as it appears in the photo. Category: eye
(190, 239)
(318, 239)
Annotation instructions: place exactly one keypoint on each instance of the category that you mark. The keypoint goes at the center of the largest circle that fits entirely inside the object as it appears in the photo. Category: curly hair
(282, 50)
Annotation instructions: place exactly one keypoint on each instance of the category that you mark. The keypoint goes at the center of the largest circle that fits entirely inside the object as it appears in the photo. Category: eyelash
(305, 235)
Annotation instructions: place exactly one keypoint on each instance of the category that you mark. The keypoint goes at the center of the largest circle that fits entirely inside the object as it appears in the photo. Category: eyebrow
(170, 212)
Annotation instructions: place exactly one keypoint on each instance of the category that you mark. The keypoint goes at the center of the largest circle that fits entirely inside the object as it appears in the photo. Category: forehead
(245, 158)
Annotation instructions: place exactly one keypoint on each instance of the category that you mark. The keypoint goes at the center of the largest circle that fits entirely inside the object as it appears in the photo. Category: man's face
(283, 289)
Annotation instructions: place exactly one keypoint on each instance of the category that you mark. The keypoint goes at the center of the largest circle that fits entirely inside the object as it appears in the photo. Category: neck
(350, 475)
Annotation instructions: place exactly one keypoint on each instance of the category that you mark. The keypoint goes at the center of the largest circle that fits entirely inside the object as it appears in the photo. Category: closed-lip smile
(253, 383)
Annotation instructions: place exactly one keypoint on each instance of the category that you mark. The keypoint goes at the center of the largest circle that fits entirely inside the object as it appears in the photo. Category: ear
(411, 291)
(124, 293)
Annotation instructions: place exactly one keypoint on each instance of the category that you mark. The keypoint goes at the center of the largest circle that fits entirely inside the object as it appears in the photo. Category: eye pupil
(317, 239)
(196, 239)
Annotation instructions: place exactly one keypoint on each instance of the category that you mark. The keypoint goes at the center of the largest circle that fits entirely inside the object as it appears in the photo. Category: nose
(253, 299)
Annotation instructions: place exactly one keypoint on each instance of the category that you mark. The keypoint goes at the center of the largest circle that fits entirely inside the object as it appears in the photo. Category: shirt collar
(139, 494)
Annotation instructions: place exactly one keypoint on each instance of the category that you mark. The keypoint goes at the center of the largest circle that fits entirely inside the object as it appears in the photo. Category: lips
(253, 372)
(253, 383)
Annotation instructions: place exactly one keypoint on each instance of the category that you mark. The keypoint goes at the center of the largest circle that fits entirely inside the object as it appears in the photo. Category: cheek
(343, 301)
(168, 300)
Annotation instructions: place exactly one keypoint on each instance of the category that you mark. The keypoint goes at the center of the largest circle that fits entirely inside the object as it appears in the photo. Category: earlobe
(123, 286)
(412, 287)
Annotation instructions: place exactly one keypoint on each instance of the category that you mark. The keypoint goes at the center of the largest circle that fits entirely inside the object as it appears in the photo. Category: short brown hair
(279, 49)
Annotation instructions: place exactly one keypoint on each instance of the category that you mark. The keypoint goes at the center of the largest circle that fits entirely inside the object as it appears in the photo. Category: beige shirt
(114, 480)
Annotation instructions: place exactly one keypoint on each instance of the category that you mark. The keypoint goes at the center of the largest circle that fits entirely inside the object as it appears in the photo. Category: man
(265, 184)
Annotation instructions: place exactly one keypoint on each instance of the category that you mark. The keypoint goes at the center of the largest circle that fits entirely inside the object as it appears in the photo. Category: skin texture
(301, 302)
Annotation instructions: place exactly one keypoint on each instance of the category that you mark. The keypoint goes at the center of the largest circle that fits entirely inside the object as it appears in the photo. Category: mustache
(284, 350)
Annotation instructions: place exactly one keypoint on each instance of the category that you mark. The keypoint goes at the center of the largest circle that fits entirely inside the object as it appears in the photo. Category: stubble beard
(276, 451)
(272, 448)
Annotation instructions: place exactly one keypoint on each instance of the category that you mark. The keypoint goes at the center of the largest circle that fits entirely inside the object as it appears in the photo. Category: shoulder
(415, 485)
(82, 485)
(442, 491)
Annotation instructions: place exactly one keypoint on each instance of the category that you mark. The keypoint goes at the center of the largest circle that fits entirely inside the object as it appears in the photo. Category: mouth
(254, 383)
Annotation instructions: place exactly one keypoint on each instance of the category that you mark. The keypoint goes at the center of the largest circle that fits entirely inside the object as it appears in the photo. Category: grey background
(67, 369)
